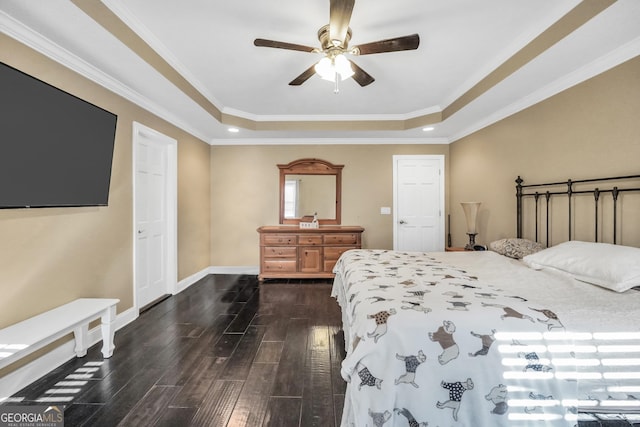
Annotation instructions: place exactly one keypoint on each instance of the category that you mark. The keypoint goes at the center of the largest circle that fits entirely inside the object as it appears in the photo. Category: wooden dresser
(287, 251)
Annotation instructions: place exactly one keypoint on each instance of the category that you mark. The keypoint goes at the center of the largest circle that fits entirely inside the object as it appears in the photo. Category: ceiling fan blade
(339, 18)
(283, 45)
(390, 45)
(361, 76)
(306, 74)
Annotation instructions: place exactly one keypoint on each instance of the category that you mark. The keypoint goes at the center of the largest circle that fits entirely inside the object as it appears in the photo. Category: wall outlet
(385, 211)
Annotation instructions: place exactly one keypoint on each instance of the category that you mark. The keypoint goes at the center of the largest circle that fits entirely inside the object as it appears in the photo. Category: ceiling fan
(334, 41)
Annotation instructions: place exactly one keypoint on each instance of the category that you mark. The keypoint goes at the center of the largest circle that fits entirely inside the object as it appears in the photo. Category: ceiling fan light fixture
(334, 40)
(343, 67)
(325, 69)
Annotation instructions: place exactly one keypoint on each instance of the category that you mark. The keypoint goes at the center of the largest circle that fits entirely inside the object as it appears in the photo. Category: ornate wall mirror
(309, 186)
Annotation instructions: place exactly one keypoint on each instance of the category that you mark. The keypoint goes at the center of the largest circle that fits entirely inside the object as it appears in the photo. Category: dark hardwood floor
(224, 352)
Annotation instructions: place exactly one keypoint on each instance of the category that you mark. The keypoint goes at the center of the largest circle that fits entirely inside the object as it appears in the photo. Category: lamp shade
(471, 214)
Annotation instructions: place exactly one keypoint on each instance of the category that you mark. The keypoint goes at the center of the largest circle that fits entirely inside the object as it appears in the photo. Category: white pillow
(611, 266)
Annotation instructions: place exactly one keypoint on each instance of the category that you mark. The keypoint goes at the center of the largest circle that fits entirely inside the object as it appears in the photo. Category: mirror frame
(312, 167)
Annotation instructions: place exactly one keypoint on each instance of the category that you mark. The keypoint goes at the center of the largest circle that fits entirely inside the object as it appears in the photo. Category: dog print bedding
(429, 343)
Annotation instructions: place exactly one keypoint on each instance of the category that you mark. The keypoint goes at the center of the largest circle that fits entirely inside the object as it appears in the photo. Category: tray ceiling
(195, 64)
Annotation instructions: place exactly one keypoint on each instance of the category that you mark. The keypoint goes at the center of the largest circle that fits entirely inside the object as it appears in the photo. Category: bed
(521, 335)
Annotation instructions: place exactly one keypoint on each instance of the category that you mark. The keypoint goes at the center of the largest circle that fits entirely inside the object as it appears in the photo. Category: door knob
(402, 221)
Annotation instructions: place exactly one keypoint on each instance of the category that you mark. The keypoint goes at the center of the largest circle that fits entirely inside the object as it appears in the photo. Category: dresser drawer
(279, 265)
(305, 239)
(333, 253)
(341, 239)
(329, 264)
(280, 252)
(290, 252)
(278, 239)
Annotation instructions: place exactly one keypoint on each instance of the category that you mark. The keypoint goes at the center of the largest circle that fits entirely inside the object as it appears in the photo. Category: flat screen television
(56, 149)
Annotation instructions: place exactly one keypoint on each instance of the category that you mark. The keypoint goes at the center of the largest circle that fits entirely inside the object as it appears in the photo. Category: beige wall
(51, 256)
(245, 192)
(194, 215)
(588, 131)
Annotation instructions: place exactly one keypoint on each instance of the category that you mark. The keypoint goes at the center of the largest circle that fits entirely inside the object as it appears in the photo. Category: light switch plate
(385, 211)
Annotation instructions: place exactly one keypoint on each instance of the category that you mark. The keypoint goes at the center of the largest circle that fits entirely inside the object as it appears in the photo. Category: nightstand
(454, 249)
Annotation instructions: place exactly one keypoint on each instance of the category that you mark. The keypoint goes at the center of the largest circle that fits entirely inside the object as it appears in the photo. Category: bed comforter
(429, 343)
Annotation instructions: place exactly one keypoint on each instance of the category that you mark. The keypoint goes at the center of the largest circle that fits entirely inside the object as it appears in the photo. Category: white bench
(20, 339)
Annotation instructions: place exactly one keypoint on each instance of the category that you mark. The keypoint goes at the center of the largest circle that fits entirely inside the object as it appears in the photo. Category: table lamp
(471, 214)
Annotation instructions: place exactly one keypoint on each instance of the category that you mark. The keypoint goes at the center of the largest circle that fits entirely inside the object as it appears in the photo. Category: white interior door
(418, 203)
(154, 209)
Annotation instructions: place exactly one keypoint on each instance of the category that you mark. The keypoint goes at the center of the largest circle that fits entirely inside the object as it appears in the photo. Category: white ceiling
(210, 44)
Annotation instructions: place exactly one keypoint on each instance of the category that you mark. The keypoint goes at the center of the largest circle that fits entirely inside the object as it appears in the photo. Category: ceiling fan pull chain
(336, 90)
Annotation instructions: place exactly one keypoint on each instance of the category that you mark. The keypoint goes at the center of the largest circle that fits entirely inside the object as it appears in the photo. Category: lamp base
(472, 242)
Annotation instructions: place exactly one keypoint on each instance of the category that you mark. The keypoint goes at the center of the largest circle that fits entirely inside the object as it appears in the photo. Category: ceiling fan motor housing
(328, 44)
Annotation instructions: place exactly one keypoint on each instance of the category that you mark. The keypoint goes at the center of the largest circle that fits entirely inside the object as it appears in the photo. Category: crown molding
(598, 66)
(129, 19)
(328, 141)
(55, 52)
(513, 48)
(331, 117)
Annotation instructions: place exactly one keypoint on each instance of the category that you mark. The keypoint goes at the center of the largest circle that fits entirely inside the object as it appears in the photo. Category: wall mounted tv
(56, 150)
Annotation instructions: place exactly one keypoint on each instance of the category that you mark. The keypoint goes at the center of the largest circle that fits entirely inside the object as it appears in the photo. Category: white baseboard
(243, 269)
(188, 281)
(22, 377)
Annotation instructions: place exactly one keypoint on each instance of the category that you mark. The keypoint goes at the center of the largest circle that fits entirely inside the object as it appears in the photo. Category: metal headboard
(549, 190)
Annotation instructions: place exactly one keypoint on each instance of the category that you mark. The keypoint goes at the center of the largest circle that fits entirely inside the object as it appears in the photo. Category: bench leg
(80, 335)
(107, 331)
